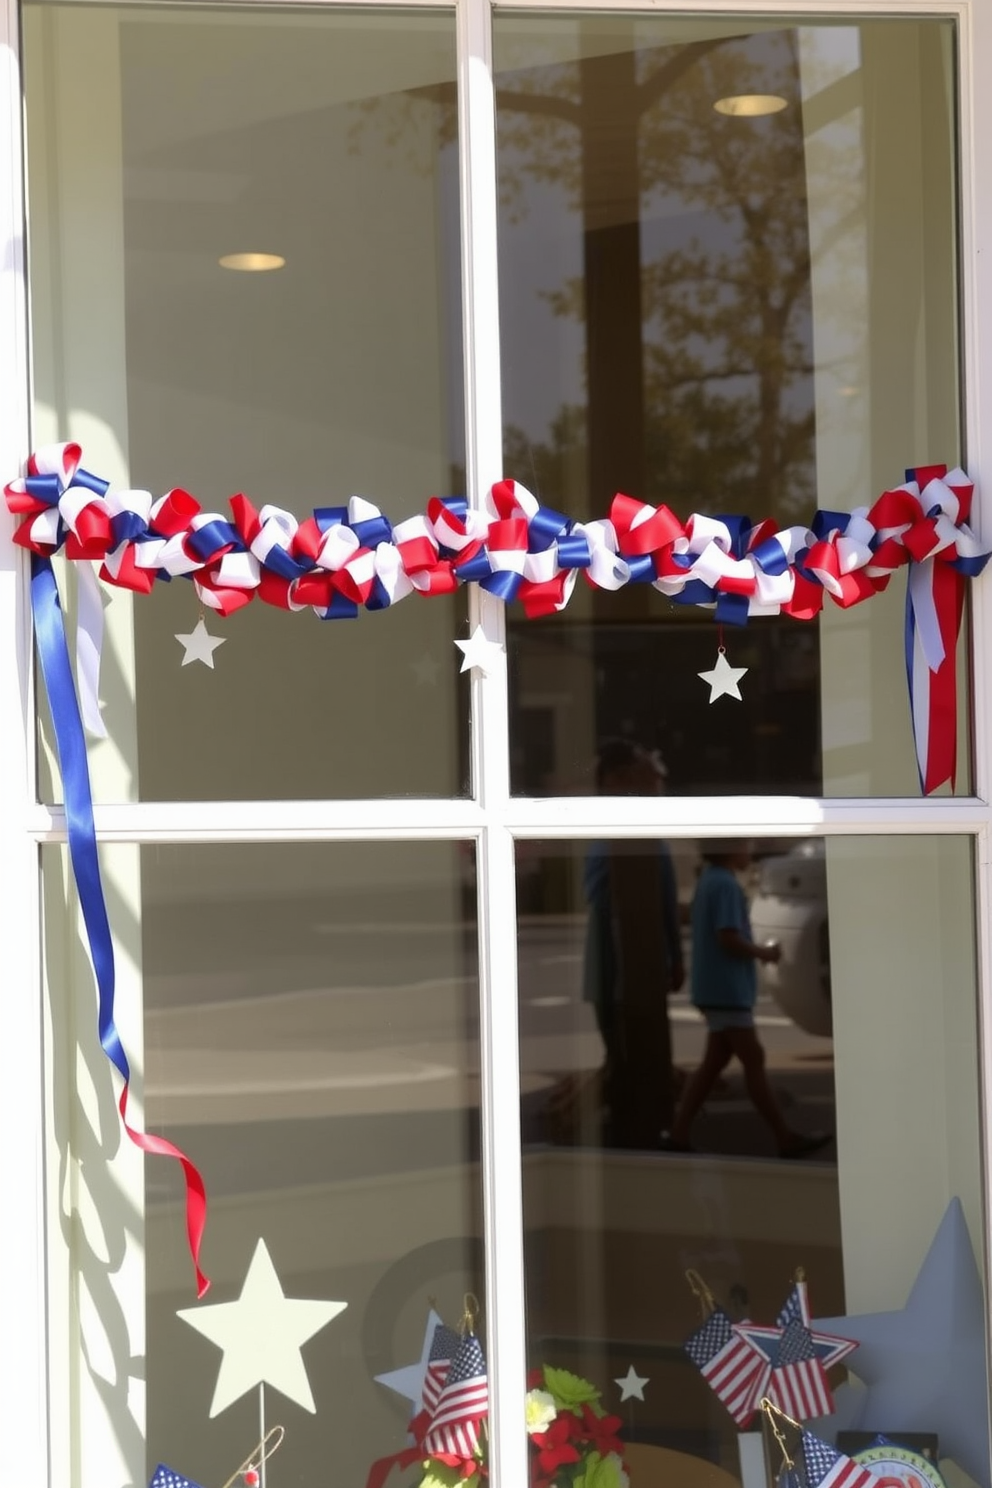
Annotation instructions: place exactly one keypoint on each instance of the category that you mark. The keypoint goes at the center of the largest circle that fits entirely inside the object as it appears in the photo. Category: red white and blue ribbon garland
(343, 558)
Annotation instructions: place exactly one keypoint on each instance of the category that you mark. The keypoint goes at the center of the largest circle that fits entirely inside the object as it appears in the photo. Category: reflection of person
(633, 954)
(725, 989)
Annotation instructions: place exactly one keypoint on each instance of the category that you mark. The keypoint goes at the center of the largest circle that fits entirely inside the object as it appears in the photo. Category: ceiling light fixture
(252, 263)
(751, 105)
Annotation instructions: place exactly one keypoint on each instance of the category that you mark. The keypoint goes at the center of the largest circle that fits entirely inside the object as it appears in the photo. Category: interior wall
(878, 108)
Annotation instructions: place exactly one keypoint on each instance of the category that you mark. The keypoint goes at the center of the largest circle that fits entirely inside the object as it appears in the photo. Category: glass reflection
(328, 140)
(698, 308)
(311, 1037)
(829, 995)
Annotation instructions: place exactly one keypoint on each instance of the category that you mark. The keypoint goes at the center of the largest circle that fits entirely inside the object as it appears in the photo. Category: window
(404, 953)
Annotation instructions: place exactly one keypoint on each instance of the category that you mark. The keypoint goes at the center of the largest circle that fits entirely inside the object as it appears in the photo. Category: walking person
(724, 983)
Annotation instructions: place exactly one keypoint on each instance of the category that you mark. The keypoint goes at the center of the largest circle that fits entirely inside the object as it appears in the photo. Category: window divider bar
(502, 1160)
(557, 817)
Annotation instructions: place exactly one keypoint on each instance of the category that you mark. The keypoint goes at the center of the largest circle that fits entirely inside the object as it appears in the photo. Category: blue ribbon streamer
(70, 740)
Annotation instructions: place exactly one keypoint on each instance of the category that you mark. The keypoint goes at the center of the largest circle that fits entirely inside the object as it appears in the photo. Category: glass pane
(311, 1041)
(328, 140)
(740, 1060)
(721, 291)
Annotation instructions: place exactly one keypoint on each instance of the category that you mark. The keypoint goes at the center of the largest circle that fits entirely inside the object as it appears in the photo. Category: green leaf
(569, 1390)
(439, 1475)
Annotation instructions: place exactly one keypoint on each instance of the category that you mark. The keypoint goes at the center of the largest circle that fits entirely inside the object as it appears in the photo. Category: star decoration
(479, 652)
(260, 1336)
(200, 645)
(723, 678)
(426, 669)
(408, 1380)
(924, 1366)
(827, 1347)
(631, 1385)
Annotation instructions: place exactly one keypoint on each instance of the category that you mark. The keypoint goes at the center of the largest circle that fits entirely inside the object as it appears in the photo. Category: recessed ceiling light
(252, 263)
(751, 105)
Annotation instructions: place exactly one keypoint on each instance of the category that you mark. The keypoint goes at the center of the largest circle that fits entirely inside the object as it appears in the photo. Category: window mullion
(23, 1371)
(502, 1189)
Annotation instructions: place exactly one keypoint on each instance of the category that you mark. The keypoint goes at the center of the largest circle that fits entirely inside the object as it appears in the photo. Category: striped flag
(444, 1346)
(798, 1383)
(796, 1306)
(734, 1371)
(462, 1404)
(828, 1468)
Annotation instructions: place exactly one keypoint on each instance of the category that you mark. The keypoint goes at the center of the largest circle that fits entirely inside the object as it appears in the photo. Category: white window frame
(36, 1408)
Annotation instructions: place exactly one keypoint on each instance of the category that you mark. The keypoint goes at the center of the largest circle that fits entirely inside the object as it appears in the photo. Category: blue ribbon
(70, 740)
(207, 540)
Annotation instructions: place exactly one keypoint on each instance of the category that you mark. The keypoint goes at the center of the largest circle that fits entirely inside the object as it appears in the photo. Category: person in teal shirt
(724, 987)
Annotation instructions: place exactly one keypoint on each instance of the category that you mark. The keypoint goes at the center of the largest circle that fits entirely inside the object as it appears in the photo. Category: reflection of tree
(695, 287)
(695, 293)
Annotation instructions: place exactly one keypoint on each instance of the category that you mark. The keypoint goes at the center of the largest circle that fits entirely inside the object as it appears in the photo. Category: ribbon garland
(345, 557)
(70, 742)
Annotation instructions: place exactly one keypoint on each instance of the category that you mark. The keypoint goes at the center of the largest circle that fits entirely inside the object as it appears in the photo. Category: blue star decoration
(925, 1365)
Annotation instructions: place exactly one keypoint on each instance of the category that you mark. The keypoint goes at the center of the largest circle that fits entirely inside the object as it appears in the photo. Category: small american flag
(462, 1404)
(828, 1468)
(734, 1371)
(165, 1477)
(798, 1384)
(796, 1306)
(444, 1346)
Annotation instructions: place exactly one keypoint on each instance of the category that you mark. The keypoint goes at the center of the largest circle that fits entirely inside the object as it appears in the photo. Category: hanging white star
(408, 1380)
(632, 1385)
(200, 645)
(723, 678)
(260, 1336)
(479, 652)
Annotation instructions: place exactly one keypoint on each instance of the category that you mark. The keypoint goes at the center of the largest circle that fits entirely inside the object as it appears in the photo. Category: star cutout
(260, 1336)
(477, 651)
(200, 645)
(426, 669)
(827, 1347)
(925, 1365)
(408, 1380)
(632, 1385)
(723, 678)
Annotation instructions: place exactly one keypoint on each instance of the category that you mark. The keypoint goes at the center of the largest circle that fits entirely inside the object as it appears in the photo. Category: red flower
(554, 1448)
(602, 1431)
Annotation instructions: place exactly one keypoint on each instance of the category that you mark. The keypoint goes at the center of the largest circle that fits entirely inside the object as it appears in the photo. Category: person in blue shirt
(724, 987)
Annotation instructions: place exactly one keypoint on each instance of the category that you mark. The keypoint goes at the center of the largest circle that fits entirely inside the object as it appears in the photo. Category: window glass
(310, 1040)
(328, 140)
(724, 289)
(742, 1059)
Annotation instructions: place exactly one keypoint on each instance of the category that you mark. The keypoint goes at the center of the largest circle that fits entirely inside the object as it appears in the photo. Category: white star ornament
(631, 1385)
(478, 652)
(260, 1336)
(723, 678)
(200, 645)
(408, 1380)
